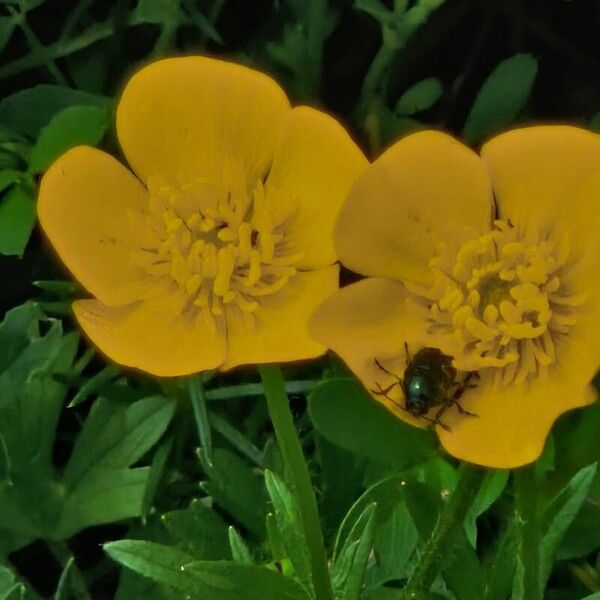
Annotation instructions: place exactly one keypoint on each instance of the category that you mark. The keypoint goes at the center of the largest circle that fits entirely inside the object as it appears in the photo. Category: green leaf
(582, 536)
(94, 384)
(63, 589)
(239, 550)
(9, 177)
(493, 485)
(154, 11)
(30, 403)
(199, 531)
(501, 97)
(386, 494)
(351, 563)
(560, 514)
(27, 111)
(218, 580)
(157, 469)
(501, 569)
(419, 97)
(346, 415)
(73, 126)
(17, 218)
(7, 25)
(231, 482)
(289, 525)
(100, 487)
(395, 544)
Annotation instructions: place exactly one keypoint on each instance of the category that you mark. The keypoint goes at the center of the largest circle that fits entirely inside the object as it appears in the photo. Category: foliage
(91, 455)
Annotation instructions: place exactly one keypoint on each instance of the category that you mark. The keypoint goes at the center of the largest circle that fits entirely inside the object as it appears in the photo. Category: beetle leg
(387, 371)
(457, 394)
(384, 391)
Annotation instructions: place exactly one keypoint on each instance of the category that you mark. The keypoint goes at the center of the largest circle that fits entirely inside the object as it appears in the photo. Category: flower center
(502, 302)
(217, 243)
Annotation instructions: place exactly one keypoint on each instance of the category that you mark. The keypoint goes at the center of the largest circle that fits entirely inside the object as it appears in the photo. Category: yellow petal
(540, 178)
(426, 189)
(151, 336)
(316, 162)
(183, 117)
(83, 208)
(512, 423)
(369, 320)
(281, 329)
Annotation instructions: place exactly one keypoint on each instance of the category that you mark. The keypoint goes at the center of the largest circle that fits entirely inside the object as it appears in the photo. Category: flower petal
(369, 320)
(512, 422)
(152, 336)
(540, 178)
(185, 116)
(426, 188)
(281, 330)
(316, 162)
(83, 207)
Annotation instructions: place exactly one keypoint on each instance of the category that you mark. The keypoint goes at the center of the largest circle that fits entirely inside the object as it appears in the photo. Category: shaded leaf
(73, 126)
(27, 111)
(17, 218)
(501, 97)
(419, 97)
(346, 415)
(199, 531)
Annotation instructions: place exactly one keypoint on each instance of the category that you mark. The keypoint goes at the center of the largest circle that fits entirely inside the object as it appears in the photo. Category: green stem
(526, 505)
(287, 437)
(448, 528)
(196, 392)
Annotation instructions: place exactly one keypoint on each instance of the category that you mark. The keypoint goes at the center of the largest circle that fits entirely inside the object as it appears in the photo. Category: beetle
(429, 380)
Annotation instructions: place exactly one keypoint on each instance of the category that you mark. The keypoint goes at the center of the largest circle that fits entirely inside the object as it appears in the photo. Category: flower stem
(529, 534)
(448, 527)
(289, 444)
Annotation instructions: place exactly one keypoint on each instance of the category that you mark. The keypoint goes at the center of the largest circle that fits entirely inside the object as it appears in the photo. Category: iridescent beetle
(429, 380)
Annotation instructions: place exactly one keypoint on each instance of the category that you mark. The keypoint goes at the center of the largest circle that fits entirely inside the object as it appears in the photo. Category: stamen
(219, 242)
(500, 302)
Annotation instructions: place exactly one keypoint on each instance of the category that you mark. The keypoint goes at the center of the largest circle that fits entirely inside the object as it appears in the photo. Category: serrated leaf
(394, 545)
(73, 126)
(27, 111)
(501, 97)
(99, 485)
(387, 494)
(199, 531)
(350, 566)
(560, 514)
(231, 482)
(493, 485)
(419, 97)
(346, 415)
(219, 580)
(290, 527)
(17, 218)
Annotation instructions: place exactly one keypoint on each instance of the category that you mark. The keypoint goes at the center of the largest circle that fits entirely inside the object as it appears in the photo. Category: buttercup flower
(492, 260)
(221, 247)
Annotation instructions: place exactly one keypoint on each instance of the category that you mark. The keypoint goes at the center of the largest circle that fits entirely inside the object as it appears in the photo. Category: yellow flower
(494, 261)
(218, 251)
